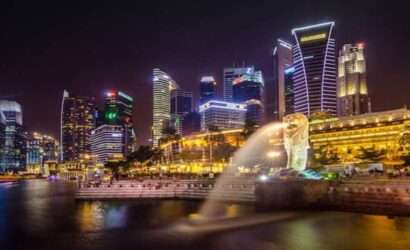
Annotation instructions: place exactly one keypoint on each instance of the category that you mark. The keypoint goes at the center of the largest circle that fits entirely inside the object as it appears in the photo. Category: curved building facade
(314, 78)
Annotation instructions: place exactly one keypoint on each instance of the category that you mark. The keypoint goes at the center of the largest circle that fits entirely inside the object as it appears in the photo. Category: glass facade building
(107, 143)
(275, 104)
(118, 111)
(161, 87)
(14, 137)
(289, 94)
(249, 89)
(229, 75)
(352, 94)
(77, 122)
(222, 115)
(181, 104)
(314, 59)
(207, 89)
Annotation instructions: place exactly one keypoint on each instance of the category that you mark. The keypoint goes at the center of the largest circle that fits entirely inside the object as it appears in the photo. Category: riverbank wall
(235, 190)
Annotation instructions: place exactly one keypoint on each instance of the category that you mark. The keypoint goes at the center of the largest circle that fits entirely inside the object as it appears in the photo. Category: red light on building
(360, 45)
(111, 94)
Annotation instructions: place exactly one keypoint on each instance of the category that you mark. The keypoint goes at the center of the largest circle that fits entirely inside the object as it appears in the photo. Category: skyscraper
(107, 142)
(275, 104)
(249, 89)
(191, 123)
(222, 115)
(289, 94)
(229, 75)
(2, 138)
(41, 148)
(77, 122)
(352, 94)
(181, 104)
(207, 89)
(314, 59)
(14, 151)
(162, 86)
(118, 111)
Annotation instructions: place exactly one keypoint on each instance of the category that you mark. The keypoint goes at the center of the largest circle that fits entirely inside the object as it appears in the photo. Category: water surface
(44, 215)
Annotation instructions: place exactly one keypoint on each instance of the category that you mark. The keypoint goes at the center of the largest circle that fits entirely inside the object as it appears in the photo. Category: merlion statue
(296, 140)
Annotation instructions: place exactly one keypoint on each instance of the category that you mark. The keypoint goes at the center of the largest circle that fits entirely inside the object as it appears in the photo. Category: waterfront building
(77, 122)
(314, 59)
(181, 105)
(220, 115)
(229, 75)
(162, 86)
(207, 89)
(196, 147)
(289, 91)
(349, 137)
(14, 150)
(249, 89)
(107, 143)
(3, 126)
(352, 94)
(118, 111)
(191, 123)
(42, 149)
(275, 103)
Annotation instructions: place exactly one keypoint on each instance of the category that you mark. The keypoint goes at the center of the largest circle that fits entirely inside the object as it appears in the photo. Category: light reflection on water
(43, 215)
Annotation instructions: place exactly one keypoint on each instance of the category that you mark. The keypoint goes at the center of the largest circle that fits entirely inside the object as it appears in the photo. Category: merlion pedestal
(296, 140)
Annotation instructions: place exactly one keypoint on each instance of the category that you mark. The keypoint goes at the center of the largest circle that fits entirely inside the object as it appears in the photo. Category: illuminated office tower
(289, 92)
(207, 89)
(229, 75)
(181, 105)
(314, 59)
(162, 86)
(14, 150)
(41, 148)
(222, 115)
(77, 122)
(275, 104)
(107, 142)
(118, 111)
(249, 89)
(352, 94)
(2, 138)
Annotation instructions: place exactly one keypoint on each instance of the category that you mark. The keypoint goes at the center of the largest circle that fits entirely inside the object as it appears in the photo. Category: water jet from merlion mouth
(265, 150)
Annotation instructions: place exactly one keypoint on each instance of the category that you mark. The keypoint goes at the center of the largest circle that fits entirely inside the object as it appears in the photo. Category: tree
(223, 152)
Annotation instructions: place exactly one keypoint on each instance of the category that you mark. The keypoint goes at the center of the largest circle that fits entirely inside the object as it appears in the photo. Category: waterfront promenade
(371, 195)
(235, 189)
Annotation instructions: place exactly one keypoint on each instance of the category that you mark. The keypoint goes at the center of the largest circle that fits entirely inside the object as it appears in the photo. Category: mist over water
(253, 153)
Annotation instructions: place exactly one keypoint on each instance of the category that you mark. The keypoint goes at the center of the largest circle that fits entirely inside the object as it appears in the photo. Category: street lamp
(272, 154)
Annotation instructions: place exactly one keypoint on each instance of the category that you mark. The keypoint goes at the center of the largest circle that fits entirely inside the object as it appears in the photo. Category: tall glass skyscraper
(14, 150)
(207, 89)
(118, 111)
(249, 89)
(275, 104)
(161, 87)
(352, 94)
(181, 105)
(77, 122)
(314, 59)
(229, 75)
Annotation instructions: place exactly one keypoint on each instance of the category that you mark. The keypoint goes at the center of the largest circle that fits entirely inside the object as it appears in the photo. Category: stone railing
(239, 190)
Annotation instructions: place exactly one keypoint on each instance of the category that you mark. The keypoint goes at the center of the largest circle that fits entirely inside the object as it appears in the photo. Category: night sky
(89, 47)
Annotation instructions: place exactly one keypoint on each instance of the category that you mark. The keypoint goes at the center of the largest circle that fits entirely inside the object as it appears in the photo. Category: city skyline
(131, 71)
